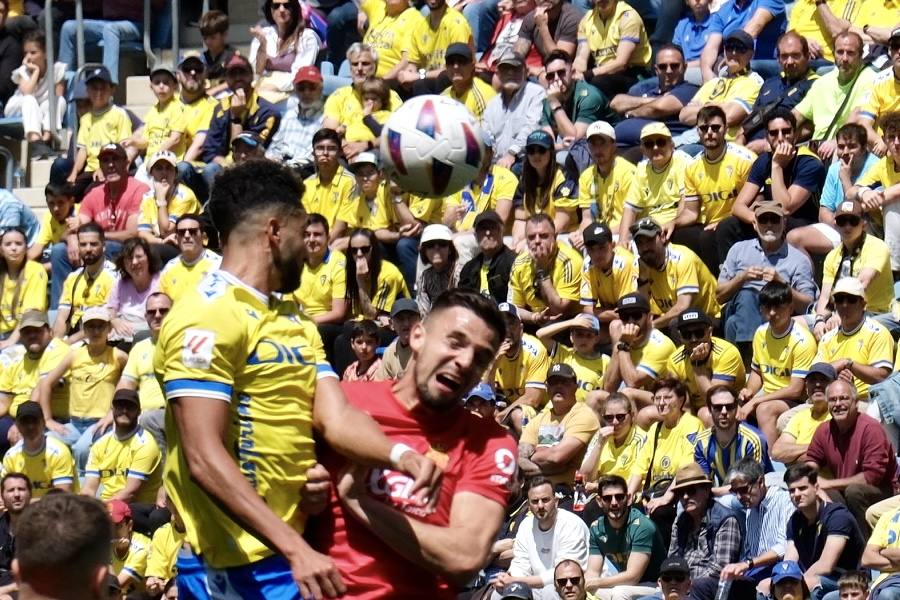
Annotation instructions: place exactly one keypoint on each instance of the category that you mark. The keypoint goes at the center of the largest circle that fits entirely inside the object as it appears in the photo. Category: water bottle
(18, 177)
(579, 498)
(723, 590)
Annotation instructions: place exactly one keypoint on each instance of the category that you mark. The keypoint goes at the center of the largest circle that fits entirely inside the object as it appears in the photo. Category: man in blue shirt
(15, 214)
(764, 20)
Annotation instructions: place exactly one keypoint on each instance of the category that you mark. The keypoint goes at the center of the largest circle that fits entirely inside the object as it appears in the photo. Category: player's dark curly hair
(483, 307)
(249, 188)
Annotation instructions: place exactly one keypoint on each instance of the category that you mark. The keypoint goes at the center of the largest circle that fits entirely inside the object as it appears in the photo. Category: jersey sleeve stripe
(137, 475)
(587, 302)
(538, 385)
(799, 373)
(61, 480)
(647, 370)
(178, 388)
(723, 376)
(688, 289)
(867, 114)
(883, 363)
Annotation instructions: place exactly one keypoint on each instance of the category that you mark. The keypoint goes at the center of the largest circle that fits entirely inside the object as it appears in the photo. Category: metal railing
(10, 167)
(79, 32)
(51, 67)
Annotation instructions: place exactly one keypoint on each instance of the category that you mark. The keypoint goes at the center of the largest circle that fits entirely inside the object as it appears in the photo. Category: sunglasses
(714, 128)
(690, 490)
(154, 312)
(894, 45)
(536, 150)
(657, 143)
(846, 299)
(361, 249)
(736, 48)
(185, 231)
(676, 577)
(768, 219)
(843, 221)
(693, 334)
(782, 131)
(617, 418)
(564, 581)
(284, 5)
(664, 67)
(717, 408)
(611, 497)
(551, 75)
(628, 317)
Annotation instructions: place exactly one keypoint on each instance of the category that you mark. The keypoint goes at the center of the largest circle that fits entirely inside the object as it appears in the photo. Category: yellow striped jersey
(113, 461)
(779, 358)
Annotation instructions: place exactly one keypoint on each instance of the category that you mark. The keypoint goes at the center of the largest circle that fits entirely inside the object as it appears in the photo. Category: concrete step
(137, 91)
(33, 197)
(39, 173)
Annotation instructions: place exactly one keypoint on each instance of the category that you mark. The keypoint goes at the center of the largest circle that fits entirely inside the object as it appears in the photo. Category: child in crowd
(164, 124)
(363, 341)
(59, 223)
(854, 586)
(376, 100)
(214, 31)
(404, 315)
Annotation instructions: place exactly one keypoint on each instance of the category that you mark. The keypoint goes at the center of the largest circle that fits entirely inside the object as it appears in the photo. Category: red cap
(238, 61)
(118, 511)
(310, 74)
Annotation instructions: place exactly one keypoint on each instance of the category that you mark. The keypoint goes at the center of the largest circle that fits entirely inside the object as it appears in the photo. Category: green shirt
(586, 105)
(639, 535)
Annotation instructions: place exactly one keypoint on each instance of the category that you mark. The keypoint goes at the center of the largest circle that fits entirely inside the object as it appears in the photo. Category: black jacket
(498, 274)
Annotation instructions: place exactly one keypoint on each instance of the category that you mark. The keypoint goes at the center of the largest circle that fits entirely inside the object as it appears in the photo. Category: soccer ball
(432, 146)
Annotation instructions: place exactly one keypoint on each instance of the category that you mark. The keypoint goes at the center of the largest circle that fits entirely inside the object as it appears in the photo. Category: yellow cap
(651, 129)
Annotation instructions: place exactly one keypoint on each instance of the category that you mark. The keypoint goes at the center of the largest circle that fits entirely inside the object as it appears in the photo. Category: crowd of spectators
(690, 224)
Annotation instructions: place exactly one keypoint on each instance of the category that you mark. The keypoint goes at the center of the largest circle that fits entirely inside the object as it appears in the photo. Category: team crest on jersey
(197, 349)
(395, 488)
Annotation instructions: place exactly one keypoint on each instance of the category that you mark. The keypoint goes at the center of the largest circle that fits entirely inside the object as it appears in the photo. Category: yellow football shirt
(92, 382)
(884, 96)
(778, 359)
(742, 89)
(95, 130)
(563, 196)
(607, 287)
(358, 131)
(667, 451)
(803, 425)
(182, 202)
(20, 377)
(500, 184)
(683, 273)
(139, 370)
(886, 535)
(135, 562)
(197, 116)
(321, 285)
(588, 370)
(870, 344)
(565, 275)
(160, 122)
(391, 37)
(333, 201)
(655, 193)
(716, 184)
(528, 369)
(52, 231)
(652, 356)
(29, 292)
(81, 292)
(805, 20)
(389, 287)
(113, 461)
(262, 357)
(427, 210)
(619, 460)
(608, 194)
(475, 98)
(429, 45)
(874, 254)
(724, 361)
(345, 105)
(164, 548)
(603, 37)
(178, 277)
(51, 467)
(378, 213)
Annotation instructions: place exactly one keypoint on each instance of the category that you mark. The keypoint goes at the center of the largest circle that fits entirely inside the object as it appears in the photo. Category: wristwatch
(422, 73)
(623, 347)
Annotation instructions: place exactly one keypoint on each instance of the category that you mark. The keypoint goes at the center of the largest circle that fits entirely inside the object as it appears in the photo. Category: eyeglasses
(717, 408)
(845, 299)
(739, 490)
(690, 490)
(655, 143)
(536, 150)
(628, 317)
(186, 231)
(361, 249)
(696, 333)
(716, 128)
(564, 581)
(784, 131)
(551, 75)
(768, 219)
(664, 67)
(739, 48)
(845, 220)
(676, 577)
(617, 418)
(611, 497)
(326, 149)
(157, 312)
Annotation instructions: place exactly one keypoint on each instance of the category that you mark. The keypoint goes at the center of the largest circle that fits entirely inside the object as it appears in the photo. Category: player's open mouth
(448, 382)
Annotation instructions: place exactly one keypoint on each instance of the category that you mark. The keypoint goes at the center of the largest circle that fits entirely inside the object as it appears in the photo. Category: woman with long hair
(138, 269)
(442, 266)
(23, 285)
(616, 444)
(279, 49)
(373, 283)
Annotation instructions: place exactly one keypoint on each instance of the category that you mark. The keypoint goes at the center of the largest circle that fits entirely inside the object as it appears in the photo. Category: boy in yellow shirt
(165, 122)
(58, 224)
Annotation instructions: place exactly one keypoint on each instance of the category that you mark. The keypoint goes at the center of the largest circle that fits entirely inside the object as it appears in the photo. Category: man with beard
(383, 543)
(198, 109)
(243, 368)
(571, 104)
(15, 490)
(552, 25)
(431, 36)
(195, 262)
(605, 185)
(303, 117)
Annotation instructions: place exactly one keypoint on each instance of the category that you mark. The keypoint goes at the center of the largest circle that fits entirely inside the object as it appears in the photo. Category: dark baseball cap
(488, 216)
(646, 227)
(250, 138)
(29, 409)
(742, 37)
(674, 564)
(509, 308)
(192, 63)
(404, 305)
(597, 233)
(693, 316)
(633, 301)
(561, 371)
(540, 138)
(101, 73)
(516, 590)
(116, 149)
(823, 368)
(459, 49)
(129, 396)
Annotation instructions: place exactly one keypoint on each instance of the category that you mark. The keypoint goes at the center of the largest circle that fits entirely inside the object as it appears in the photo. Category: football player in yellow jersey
(606, 275)
(783, 352)
(859, 344)
(193, 263)
(791, 445)
(588, 362)
(520, 370)
(125, 463)
(884, 97)
(659, 181)
(673, 276)
(165, 122)
(166, 201)
(604, 186)
(43, 458)
(712, 181)
(243, 368)
(545, 281)
(330, 192)
(431, 38)
(471, 91)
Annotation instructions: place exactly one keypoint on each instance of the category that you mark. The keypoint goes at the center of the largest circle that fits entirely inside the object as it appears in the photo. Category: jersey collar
(237, 282)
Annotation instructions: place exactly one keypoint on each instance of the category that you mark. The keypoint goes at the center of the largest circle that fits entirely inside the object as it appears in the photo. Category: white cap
(164, 155)
(434, 233)
(96, 313)
(365, 158)
(849, 285)
(600, 128)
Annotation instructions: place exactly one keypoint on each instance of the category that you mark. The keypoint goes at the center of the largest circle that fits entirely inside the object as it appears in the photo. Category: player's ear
(417, 337)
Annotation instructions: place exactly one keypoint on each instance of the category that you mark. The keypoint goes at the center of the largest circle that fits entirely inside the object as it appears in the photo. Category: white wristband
(397, 451)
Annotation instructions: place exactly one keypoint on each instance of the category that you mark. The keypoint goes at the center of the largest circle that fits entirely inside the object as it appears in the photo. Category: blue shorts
(267, 579)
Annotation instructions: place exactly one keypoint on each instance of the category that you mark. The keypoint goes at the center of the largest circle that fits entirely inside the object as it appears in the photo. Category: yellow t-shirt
(475, 98)
(588, 370)
(182, 202)
(715, 185)
(886, 535)
(92, 381)
(162, 121)
(95, 130)
(20, 377)
(683, 273)
(321, 285)
(389, 287)
(652, 356)
(139, 370)
(113, 461)
(562, 197)
(427, 210)
(164, 547)
(391, 37)
(778, 359)
(429, 45)
(135, 562)
(547, 430)
(500, 184)
(51, 467)
(334, 201)
(603, 37)
(803, 425)
(724, 361)
(609, 193)
(742, 89)
(81, 292)
(805, 20)
(674, 449)
(606, 288)
(378, 213)
(871, 344)
(619, 460)
(527, 370)
(877, 13)
(358, 131)
(52, 231)
(197, 116)
(874, 254)
(28, 294)
(565, 275)
(345, 105)
(178, 277)
(262, 357)
(657, 193)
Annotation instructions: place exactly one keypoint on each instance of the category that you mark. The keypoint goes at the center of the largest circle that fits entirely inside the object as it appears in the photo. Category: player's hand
(155, 585)
(784, 153)
(316, 491)
(315, 574)
(238, 103)
(426, 478)
(630, 332)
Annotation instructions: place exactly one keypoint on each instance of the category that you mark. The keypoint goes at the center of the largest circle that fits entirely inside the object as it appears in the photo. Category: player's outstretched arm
(357, 436)
(201, 426)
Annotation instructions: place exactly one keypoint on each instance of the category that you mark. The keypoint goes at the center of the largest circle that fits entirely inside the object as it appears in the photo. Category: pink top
(350, 372)
(112, 214)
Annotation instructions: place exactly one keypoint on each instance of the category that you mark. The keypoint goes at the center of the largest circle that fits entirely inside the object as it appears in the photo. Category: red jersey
(111, 215)
(477, 455)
